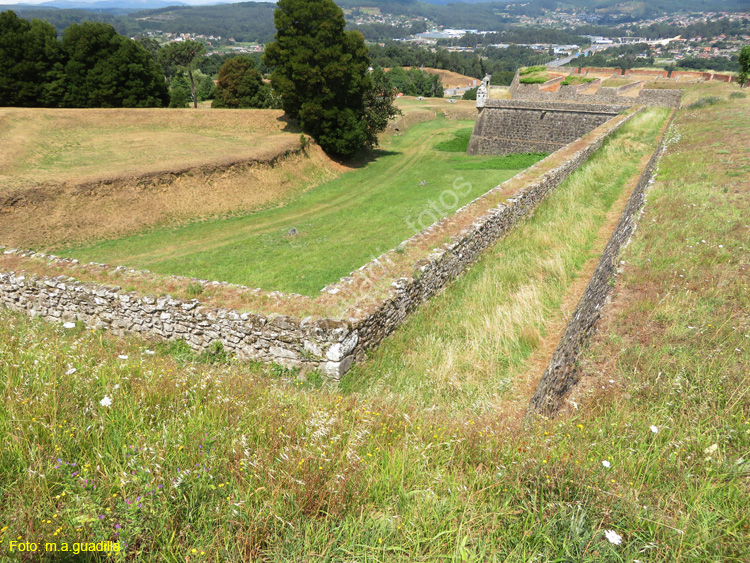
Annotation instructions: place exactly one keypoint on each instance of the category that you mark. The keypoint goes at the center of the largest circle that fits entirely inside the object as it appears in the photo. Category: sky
(191, 2)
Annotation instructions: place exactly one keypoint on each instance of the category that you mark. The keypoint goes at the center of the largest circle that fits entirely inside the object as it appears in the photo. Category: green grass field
(223, 462)
(341, 224)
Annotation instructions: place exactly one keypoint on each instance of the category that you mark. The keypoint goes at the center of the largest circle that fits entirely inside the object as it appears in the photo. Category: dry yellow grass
(54, 146)
(70, 175)
(452, 79)
(46, 216)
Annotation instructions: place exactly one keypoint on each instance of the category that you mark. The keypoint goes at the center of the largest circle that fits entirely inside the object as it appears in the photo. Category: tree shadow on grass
(289, 125)
(359, 160)
(363, 157)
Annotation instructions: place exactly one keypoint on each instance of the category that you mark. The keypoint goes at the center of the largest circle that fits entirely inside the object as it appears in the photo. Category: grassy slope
(342, 224)
(465, 346)
(285, 472)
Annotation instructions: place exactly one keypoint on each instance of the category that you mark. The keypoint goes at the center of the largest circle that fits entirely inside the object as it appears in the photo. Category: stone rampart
(576, 94)
(514, 126)
(563, 373)
(329, 345)
(583, 94)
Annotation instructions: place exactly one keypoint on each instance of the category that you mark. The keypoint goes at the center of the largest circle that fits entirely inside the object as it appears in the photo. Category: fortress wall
(574, 94)
(513, 126)
(328, 345)
(563, 372)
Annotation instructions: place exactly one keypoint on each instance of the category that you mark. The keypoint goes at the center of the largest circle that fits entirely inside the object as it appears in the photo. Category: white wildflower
(606, 464)
(613, 537)
(122, 357)
(150, 352)
(711, 449)
(654, 429)
(69, 325)
(106, 401)
(71, 371)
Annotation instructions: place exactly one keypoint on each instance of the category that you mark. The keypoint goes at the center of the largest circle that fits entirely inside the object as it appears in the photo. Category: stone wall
(581, 94)
(513, 126)
(575, 94)
(308, 344)
(329, 345)
(563, 372)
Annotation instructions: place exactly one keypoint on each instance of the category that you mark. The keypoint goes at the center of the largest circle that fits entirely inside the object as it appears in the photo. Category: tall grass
(465, 347)
(204, 462)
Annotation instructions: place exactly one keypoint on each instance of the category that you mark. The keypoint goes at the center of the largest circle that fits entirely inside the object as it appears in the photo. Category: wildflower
(711, 449)
(71, 371)
(150, 352)
(654, 429)
(122, 357)
(69, 325)
(106, 401)
(606, 464)
(613, 537)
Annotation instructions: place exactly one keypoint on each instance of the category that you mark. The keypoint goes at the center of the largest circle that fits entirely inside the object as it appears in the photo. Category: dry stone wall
(513, 126)
(328, 345)
(563, 372)
(307, 343)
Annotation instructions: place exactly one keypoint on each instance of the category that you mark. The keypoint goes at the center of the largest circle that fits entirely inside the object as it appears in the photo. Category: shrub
(534, 80)
(737, 95)
(704, 102)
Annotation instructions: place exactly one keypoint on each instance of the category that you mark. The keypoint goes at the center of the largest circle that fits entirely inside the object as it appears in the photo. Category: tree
(379, 106)
(30, 60)
(240, 85)
(206, 88)
(744, 60)
(105, 69)
(470, 94)
(185, 55)
(179, 91)
(321, 73)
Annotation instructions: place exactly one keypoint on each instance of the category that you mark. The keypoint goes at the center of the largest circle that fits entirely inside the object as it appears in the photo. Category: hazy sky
(178, 1)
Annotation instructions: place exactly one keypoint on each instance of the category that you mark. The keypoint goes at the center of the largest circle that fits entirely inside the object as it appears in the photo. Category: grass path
(465, 347)
(341, 224)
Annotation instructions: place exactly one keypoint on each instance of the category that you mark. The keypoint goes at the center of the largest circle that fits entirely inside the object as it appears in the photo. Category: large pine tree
(321, 73)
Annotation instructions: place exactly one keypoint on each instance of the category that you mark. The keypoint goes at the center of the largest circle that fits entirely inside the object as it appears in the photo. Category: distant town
(655, 50)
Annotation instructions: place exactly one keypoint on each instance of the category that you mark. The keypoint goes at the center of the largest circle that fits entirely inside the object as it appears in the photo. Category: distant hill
(253, 21)
(131, 5)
